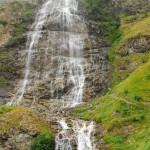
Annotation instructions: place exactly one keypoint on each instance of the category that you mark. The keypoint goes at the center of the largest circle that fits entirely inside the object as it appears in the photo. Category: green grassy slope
(126, 53)
(25, 121)
(123, 112)
(126, 25)
(21, 119)
(137, 86)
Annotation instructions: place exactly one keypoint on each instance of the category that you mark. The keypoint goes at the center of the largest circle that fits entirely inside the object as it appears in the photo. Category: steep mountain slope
(132, 48)
(22, 128)
(15, 18)
(52, 52)
(13, 12)
(123, 113)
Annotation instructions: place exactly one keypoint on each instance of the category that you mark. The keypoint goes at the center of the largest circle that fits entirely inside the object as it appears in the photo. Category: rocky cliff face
(47, 87)
(15, 18)
(132, 48)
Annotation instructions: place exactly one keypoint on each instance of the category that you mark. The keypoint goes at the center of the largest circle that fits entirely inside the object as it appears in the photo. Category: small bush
(2, 81)
(4, 23)
(104, 12)
(142, 117)
(5, 109)
(114, 139)
(115, 123)
(111, 56)
(126, 92)
(43, 142)
(148, 76)
(138, 98)
(98, 118)
(86, 116)
(135, 119)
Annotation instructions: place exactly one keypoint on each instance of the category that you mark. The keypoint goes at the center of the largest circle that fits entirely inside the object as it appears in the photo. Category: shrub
(43, 142)
(114, 139)
(5, 109)
(126, 92)
(142, 117)
(148, 76)
(135, 119)
(98, 118)
(4, 22)
(111, 56)
(115, 123)
(2, 81)
(138, 98)
(109, 21)
(86, 116)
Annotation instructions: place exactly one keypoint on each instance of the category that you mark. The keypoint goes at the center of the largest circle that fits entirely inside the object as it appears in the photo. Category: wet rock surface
(50, 56)
(16, 141)
(44, 89)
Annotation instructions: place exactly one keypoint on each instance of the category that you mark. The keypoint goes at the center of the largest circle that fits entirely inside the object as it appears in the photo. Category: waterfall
(76, 137)
(64, 44)
(55, 68)
(32, 42)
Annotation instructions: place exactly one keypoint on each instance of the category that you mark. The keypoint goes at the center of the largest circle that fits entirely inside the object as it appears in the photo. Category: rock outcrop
(43, 85)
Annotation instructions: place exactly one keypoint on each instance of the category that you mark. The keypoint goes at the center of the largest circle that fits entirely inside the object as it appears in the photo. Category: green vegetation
(4, 23)
(43, 142)
(13, 33)
(118, 111)
(137, 84)
(124, 112)
(22, 119)
(25, 120)
(21, 26)
(2, 81)
(5, 109)
(127, 124)
(106, 17)
(120, 29)
(123, 62)
(133, 28)
(4, 66)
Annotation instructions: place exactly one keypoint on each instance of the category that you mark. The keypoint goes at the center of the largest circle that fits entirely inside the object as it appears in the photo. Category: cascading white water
(77, 137)
(68, 58)
(84, 135)
(54, 56)
(32, 42)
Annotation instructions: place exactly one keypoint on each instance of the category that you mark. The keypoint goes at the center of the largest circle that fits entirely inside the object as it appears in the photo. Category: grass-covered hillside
(124, 112)
(132, 49)
(26, 128)
(126, 25)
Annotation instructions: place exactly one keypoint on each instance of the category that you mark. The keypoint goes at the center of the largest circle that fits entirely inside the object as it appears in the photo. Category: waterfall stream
(76, 137)
(54, 57)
